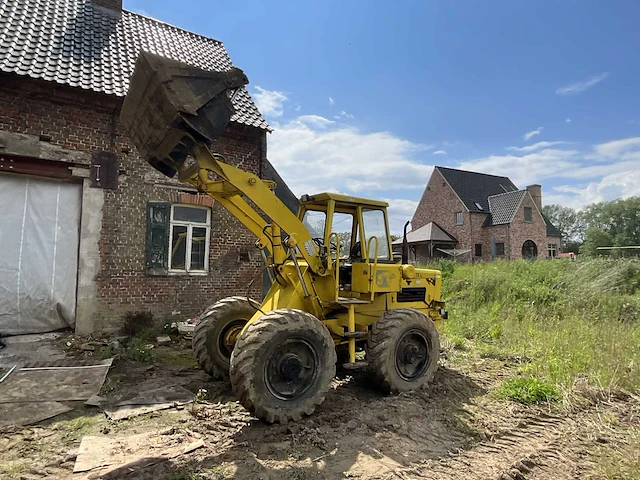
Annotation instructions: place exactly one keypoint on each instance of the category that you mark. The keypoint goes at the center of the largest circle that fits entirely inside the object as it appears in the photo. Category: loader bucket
(170, 105)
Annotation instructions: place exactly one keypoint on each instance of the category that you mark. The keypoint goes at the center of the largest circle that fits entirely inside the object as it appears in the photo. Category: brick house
(89, 230)
(475, 216)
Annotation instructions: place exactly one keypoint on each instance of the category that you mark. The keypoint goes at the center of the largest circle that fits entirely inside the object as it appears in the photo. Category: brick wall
(439, 204)
(521, 230)
(85, 121)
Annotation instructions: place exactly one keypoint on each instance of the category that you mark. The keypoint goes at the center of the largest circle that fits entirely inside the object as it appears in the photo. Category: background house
(487, 216)
(89, 231)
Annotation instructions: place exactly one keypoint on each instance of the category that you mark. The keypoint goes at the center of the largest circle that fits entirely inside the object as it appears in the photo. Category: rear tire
(403, 350)
(282, 365)
(216, 332)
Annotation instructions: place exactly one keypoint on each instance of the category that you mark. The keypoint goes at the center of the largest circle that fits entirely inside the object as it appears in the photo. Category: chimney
(536, 193)
(110, 4)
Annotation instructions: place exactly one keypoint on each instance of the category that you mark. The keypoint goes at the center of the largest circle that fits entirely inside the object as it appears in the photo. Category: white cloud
(400, 212)
(604, 171)
(270, 102)
(314, 154)
(331, 101)
(567, 120)
(314, 121)
(583, 86)
(626, 149)
(534, 147)
(343, 116)
(440, 152)
(532, 133)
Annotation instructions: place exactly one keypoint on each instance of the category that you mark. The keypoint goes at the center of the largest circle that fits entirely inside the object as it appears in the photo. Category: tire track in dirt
(541, 447)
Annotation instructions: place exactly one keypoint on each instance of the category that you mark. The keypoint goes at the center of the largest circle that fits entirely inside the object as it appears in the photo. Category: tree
(620, 219)
(567, 220)
(595, 237)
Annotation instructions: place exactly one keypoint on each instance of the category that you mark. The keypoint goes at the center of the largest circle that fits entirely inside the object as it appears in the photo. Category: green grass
(567, 319)
(137, 351)
(528, 390)
(75, 428)
(12, 470)
(185, 476)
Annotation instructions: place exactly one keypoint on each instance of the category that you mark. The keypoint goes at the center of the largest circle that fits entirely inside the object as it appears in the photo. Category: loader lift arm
(229, 191)
(172, 111)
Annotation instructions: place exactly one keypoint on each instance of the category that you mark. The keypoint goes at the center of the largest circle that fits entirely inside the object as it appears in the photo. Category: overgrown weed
(569, 319)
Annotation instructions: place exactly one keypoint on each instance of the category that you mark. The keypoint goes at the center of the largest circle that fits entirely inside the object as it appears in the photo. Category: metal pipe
(299, 272)
(405, 246)
(352, 328)
(8, 373)
(337, 264)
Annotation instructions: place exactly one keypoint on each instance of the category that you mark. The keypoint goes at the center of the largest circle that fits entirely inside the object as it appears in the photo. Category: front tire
(217, 331)
(282, 365)
(403, 350)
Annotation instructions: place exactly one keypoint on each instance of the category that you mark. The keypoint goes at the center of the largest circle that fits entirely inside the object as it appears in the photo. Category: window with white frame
(458, 218)
(189, 239)
(552, 250)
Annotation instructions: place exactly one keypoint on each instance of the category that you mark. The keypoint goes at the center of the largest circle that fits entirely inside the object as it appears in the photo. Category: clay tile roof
(76, 43)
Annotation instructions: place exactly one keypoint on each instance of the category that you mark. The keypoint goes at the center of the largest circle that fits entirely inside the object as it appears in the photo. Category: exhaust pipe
(405, 246)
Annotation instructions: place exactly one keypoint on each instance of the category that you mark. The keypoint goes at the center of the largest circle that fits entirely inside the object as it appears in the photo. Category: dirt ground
(455, 429)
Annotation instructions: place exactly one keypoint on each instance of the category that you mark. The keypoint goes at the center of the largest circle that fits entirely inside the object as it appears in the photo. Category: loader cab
(338, 223)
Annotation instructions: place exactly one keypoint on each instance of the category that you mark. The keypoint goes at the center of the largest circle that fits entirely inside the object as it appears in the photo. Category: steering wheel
(356, 251)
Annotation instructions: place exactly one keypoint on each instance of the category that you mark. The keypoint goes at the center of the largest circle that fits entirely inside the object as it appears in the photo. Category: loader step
(356, 335)
(350, 301)
(355, 366)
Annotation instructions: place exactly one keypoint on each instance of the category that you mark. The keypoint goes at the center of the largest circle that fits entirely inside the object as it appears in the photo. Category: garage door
(39, 229)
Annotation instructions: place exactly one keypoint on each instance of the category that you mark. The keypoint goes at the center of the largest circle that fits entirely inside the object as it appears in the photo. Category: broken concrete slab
(165, 340)
(109, 457)
(28, 413)
(60, 381)
(186, 328)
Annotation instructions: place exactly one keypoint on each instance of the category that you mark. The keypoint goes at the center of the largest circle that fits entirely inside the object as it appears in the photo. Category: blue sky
(366, 97)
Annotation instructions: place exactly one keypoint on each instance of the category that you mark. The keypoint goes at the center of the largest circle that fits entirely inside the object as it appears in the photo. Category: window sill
(178, 273)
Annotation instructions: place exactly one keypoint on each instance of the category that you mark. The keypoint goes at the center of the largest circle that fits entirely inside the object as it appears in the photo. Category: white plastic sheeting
(39, 235)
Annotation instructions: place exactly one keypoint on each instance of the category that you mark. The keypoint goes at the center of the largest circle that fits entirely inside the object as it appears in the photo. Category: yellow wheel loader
(337, 288)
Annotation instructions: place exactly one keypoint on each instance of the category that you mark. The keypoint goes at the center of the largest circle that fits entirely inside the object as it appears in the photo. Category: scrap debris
(150, 401)
(58, 382)
(108, 457)
(34, 392)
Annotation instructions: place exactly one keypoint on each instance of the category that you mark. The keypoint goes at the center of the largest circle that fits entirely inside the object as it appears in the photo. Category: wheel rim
(292, 369)
(412, 355)
(229, 335)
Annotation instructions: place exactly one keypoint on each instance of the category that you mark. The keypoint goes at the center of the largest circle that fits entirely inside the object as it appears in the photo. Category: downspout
(114, 129)
(509, 241)
(472, 252)
(263, 140)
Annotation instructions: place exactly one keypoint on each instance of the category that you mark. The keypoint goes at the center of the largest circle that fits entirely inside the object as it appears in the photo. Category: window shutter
(158, 218)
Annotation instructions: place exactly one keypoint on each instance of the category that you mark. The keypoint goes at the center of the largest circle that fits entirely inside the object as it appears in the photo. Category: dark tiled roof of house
(503, 207)
(429, 232)
(76, 43)
(552, 231)
(475, 188)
